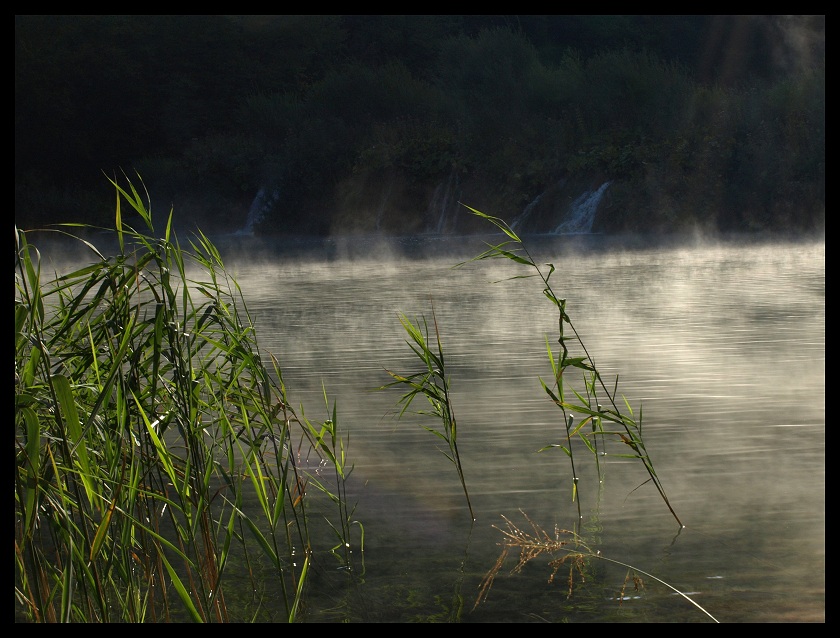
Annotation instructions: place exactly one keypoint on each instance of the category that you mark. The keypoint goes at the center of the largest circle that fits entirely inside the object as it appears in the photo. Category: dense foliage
(379, 123)
(145, 415)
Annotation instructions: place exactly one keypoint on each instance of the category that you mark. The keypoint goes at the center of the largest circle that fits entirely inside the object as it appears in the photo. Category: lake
(720, 346)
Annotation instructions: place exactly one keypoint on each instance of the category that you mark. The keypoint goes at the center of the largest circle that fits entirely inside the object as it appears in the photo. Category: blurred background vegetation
(382, 123)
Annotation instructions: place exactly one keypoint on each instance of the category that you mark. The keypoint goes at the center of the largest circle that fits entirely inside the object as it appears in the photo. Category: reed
(144, 417)
(624, 426)
(431, 382)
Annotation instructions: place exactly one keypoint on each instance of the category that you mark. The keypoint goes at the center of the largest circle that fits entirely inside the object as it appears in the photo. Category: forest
(387, 124)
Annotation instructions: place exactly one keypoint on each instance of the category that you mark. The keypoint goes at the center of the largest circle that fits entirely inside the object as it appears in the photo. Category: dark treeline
(382, 123)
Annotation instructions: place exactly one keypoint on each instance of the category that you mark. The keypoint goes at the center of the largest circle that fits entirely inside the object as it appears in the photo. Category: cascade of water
(443, 206)
(516, 224)
(582, 213)
(263, 203)
(383, 200)
(444, 194)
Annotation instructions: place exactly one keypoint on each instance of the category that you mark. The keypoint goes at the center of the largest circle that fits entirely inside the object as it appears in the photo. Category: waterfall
(582, 213)
(516, 224)
(442, 199)
(383, 200)
(262, 204)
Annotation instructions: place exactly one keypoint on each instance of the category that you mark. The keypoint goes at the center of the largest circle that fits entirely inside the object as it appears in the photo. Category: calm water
(722, 346)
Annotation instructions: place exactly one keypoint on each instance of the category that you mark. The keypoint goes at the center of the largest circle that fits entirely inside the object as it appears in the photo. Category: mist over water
(721, 345)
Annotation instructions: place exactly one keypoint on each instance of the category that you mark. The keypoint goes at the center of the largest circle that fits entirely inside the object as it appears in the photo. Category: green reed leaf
(32, 466)
(183, 594)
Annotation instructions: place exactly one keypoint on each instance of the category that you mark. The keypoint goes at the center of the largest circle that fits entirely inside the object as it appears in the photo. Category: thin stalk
(632, 431)
(432, 383)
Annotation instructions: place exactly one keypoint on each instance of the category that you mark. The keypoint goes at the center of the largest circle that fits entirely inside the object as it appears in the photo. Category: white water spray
(516, 224)
(582, 213)
(262, 204)
(442, 200)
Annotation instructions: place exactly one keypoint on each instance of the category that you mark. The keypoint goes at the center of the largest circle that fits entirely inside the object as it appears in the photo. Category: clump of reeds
(432, 382)
(145, 417)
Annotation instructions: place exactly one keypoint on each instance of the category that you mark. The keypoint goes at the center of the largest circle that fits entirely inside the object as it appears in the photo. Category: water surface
(720, 346)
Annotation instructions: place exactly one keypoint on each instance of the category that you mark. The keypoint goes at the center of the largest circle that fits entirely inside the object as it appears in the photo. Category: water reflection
(721, 346)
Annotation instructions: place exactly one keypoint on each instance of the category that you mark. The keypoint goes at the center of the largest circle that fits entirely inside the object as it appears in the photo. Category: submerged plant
(624, 426)
(573, 553)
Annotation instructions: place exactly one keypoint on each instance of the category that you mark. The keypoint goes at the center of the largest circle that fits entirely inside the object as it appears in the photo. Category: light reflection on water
(723, 347)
